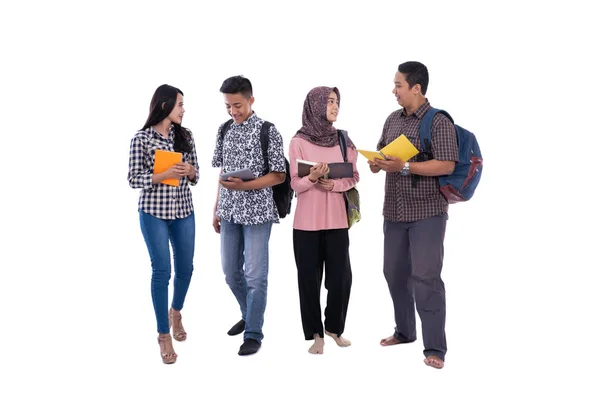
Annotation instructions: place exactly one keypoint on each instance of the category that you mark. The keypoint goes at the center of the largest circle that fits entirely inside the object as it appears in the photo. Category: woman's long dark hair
(168, 95)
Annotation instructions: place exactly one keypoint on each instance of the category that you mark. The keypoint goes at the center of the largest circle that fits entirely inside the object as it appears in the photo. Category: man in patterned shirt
(415, 214)
(246, 210)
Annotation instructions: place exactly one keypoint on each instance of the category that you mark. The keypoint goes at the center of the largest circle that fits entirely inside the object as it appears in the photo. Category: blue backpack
(460, 185)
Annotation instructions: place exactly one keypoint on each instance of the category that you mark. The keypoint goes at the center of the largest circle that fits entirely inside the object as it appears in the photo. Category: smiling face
(176, 115)
(333, 107)
(407, 97)
(238, 106)
(401, 90)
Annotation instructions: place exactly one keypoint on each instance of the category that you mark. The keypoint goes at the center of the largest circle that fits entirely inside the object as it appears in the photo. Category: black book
(337, 170)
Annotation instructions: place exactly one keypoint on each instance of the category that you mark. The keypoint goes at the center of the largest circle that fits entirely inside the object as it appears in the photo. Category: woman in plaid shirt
(166, 211)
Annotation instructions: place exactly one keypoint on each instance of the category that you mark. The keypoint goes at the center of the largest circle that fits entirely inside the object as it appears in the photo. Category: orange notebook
(163, 160)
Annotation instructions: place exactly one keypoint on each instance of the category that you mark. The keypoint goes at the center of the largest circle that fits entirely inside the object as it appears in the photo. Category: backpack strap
(264, 143)
(343, 136)
(425, 138)
(225, 128)
(425, 127)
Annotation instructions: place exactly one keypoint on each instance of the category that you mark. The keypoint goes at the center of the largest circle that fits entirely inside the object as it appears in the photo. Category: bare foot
(389, 341)
(340, 341)
(434, 362)
(317, 347)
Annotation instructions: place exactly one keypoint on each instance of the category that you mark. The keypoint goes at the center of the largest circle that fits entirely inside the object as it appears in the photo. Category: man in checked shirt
(415, 214)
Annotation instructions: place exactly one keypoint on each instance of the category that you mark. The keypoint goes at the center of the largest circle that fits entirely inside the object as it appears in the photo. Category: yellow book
(371, 155)
(401, 148)
(163, 160)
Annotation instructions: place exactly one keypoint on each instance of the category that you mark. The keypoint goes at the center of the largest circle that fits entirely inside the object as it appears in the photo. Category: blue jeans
(157, 233)
(245, 259)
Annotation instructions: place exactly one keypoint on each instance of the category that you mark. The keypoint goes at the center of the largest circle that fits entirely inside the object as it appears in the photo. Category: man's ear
(251, 100)
(417, 88)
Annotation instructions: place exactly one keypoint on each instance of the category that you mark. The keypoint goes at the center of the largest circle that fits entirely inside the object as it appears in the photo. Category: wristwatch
(405, 170)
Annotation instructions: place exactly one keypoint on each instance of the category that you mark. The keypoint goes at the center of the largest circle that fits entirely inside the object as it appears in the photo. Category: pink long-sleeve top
(317, 208)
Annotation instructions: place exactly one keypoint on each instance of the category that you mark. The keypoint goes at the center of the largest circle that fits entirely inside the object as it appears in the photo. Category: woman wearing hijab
(320, 222)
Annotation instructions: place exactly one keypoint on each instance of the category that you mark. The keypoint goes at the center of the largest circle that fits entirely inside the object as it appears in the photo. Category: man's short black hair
(414, 73)
(237, 84)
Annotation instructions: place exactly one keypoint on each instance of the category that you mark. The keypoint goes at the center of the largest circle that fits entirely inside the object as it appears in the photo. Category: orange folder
(163, 160)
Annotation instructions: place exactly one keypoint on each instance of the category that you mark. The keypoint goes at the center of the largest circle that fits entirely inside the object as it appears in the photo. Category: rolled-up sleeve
(139, 176)
(194, 161)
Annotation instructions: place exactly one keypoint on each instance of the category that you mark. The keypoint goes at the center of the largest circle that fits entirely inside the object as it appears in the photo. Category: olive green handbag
(351, 196)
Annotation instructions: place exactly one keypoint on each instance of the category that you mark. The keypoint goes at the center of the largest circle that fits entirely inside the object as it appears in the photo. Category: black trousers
(412, 265)
(316, 251)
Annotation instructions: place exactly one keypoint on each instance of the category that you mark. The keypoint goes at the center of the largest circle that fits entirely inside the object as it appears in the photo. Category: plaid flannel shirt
(402, 201)
(160, 200)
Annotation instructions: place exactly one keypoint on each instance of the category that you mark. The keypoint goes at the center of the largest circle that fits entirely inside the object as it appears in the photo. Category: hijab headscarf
(316, 129)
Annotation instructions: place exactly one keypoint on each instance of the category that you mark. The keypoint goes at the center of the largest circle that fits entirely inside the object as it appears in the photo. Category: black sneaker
(237, 328)
(250, 346)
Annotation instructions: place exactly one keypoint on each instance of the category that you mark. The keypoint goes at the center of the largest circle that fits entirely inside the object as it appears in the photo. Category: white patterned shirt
(241, 149)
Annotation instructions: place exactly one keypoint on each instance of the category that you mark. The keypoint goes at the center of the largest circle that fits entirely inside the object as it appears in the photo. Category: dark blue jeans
(157, 234)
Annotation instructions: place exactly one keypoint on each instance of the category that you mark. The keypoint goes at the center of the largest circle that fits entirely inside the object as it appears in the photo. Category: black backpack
(282, 193)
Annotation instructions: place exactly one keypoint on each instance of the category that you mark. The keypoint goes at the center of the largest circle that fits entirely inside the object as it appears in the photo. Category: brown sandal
(180, 334)
(168, 357)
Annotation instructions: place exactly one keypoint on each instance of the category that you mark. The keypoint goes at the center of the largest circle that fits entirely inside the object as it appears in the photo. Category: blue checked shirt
(160, 200)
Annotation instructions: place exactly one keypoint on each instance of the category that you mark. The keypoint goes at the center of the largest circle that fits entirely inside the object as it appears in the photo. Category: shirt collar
(171, 134)
(251, 119)
(420, 112)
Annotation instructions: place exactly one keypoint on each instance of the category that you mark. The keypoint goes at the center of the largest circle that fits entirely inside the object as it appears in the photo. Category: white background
(520, 269)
